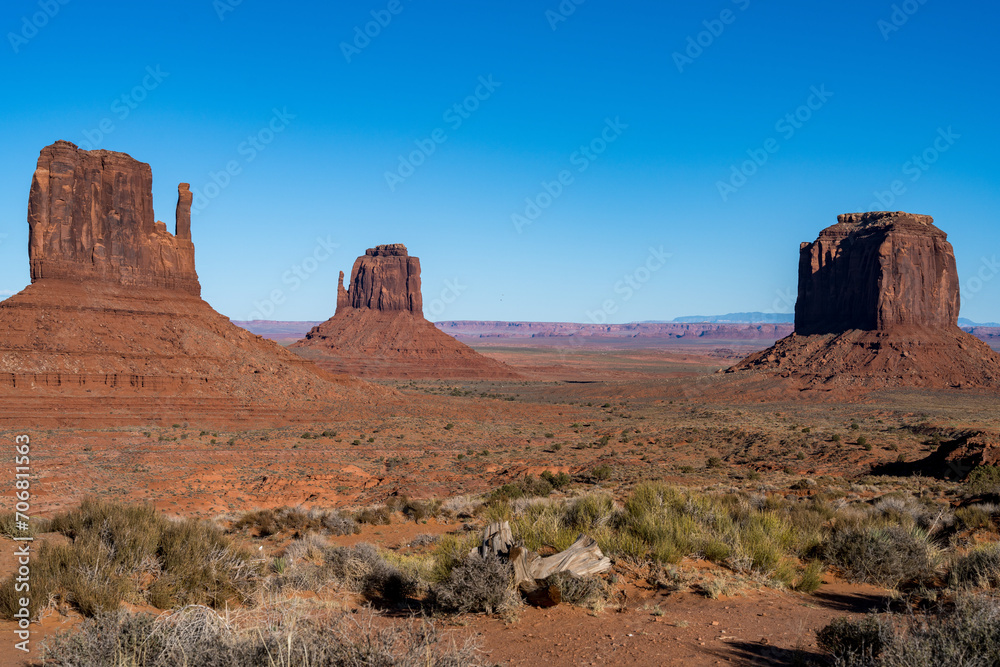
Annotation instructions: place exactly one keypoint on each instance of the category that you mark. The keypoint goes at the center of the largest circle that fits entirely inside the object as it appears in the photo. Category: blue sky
(618, 121)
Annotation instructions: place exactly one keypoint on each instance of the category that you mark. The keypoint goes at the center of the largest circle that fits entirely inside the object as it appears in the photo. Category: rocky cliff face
(90, 217)
(384, 279)
(878, 308)
(875, 272)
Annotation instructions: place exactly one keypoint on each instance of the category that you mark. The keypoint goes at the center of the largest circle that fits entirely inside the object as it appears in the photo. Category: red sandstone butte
(877, 307)
(90, 217)
(379, 330)
(112, 329)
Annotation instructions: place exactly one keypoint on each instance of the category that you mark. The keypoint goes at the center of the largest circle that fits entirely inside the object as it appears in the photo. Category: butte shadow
(113, 330)
(379, 330)
(877, 308)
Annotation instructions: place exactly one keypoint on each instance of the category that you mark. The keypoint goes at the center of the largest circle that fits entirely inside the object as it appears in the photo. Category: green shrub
(810, 579)
(983, 480)
(375, 516)
(362, 568)
(526, 487)
(420, 510)
(601, 473)
(556, 481)
(887, 556)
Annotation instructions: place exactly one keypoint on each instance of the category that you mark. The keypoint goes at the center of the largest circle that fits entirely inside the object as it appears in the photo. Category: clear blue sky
(885, 95)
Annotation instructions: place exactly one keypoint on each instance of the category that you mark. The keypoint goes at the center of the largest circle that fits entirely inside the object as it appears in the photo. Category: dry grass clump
(363, 569)
(199, 636)
(414, 510)
(590, 592)
(267, 522)
(461, 507)
(132, 553)
(8, 526)
(665, 524)
(965, 634)
(477, 585)
(888, 556)
(979, 568)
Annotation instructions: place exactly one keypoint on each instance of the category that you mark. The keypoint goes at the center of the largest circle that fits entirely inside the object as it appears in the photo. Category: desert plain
(610, 414)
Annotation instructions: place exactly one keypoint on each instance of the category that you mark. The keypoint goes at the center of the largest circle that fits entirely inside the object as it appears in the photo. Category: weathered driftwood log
(582, 559)
(497, 540)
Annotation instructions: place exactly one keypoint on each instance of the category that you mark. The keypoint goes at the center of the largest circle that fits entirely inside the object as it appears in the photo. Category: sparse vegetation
(267, 522)
(965, 633)
(132, 553)
(199, 636)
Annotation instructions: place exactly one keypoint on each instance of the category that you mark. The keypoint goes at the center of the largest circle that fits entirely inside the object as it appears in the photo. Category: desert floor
(660, 405)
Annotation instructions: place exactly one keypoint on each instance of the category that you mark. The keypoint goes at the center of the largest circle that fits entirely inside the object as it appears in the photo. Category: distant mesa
(113, 329)
(878, 307)
(379, 330)
(738, 318)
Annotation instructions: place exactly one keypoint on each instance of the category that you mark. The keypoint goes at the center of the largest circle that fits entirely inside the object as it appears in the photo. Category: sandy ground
(468, 437)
